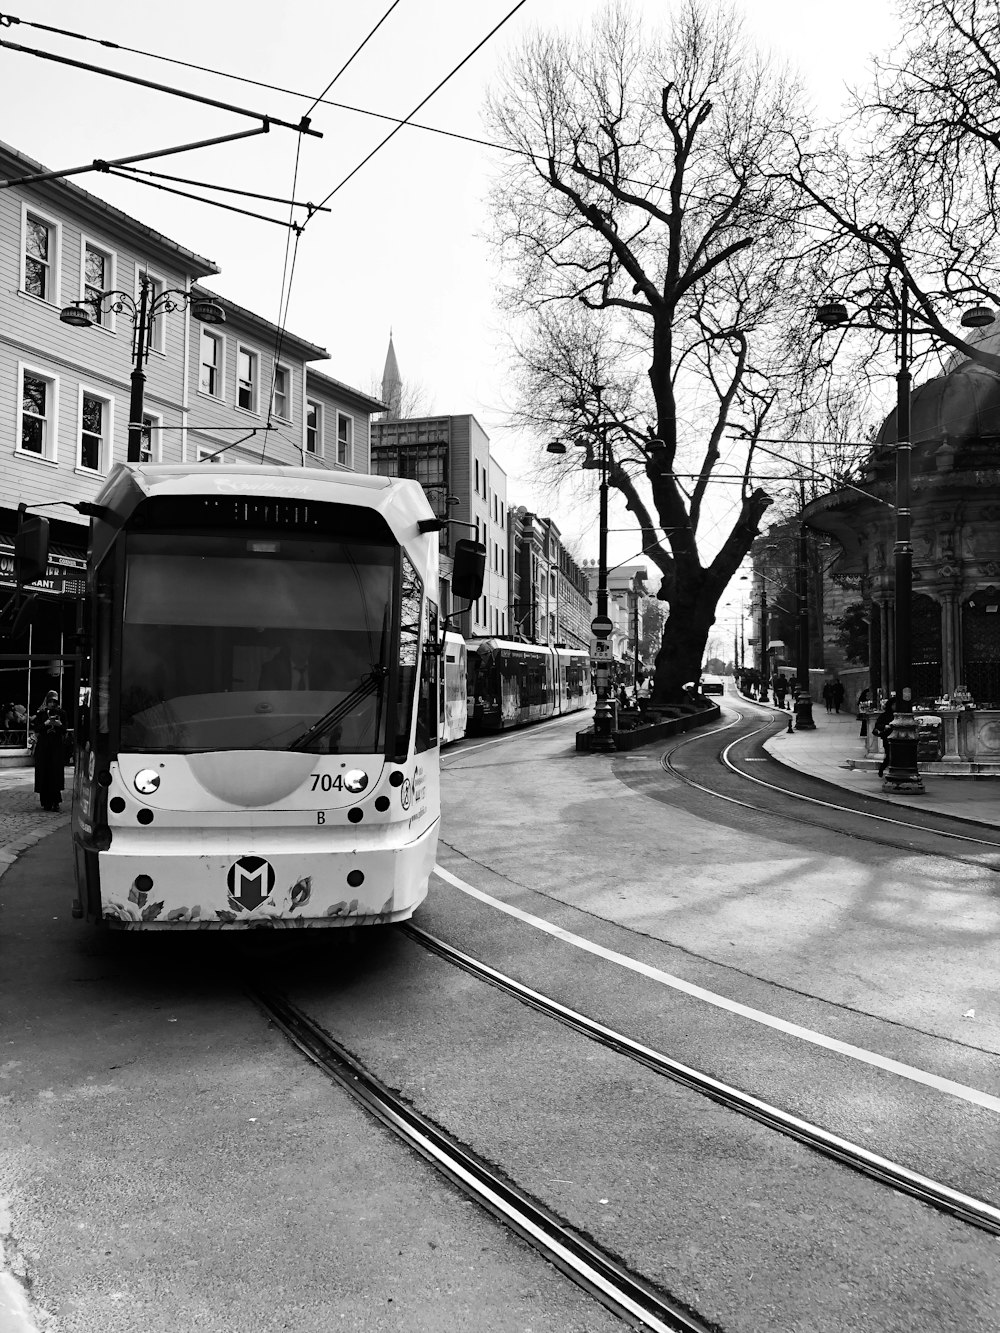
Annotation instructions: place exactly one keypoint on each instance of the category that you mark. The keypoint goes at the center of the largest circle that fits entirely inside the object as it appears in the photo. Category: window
(149, 447)
(282, 392)
(155, 288)
(211, 364)
(98, 277)
(314, 428)
(206, 455)
(477, 476)
(38, 414)
(95, 431)
(246, 379)
(345, 439)
(41, 246)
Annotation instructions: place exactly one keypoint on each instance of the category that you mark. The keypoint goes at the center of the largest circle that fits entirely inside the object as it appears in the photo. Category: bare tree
(902, 196)
(648, 239)
(410, 399)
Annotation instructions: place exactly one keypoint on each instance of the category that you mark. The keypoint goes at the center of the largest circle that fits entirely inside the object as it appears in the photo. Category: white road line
(915, 1075)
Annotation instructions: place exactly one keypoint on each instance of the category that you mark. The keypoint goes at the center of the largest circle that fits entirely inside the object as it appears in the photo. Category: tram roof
(130, 484)
(271, 478)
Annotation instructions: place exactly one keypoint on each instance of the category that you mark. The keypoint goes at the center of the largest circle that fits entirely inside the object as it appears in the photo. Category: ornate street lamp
(901, 774)
(601, 624)
(142, 314)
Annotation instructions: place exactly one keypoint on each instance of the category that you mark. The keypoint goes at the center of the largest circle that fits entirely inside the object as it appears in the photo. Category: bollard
(804, 711)
(901, 773)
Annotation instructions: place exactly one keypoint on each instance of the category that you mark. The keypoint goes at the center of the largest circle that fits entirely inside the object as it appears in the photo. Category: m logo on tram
(250, 881)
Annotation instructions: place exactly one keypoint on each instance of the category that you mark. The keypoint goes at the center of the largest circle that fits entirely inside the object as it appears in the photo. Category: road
(169, 1160)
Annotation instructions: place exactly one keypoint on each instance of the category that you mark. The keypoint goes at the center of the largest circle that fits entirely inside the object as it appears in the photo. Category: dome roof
(962, 406)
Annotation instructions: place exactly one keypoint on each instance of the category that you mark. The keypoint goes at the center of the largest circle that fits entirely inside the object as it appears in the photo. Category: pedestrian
(837, 694)
(880, 728)
(864, 700)
(780, 690)
(49, 726)
(828, 695)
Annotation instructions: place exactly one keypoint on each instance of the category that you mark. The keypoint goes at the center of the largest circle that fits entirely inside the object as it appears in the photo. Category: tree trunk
(682, 651)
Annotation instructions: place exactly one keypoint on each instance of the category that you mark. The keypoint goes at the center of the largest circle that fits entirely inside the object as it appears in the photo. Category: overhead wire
(423, 101)
(288, 269)
(7, 20)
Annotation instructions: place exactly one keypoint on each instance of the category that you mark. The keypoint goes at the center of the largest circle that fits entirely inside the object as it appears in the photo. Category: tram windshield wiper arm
(370, 684)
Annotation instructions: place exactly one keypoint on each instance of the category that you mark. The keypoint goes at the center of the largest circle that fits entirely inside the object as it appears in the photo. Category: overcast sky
(403, 245)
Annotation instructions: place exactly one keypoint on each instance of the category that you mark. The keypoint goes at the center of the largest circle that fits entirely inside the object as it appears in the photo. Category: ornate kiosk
(955, 611)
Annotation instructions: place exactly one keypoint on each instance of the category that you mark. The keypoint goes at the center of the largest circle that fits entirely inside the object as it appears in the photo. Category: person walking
(828, 695)
(880, 728)
(837, 694)
(49, 726)
(780, 690)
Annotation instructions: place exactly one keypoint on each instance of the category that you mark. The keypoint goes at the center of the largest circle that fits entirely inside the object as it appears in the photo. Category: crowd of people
(778, 689)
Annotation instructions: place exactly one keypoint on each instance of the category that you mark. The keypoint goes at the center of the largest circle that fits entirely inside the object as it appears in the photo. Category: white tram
(260, 745)
(454, 710)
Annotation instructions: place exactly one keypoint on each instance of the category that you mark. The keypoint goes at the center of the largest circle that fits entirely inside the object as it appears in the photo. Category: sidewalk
(22, 821)
(823, 753)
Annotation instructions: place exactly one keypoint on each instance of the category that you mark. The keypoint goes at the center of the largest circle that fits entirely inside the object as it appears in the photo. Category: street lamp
(601, 624)
(902, 774)
(142, 313)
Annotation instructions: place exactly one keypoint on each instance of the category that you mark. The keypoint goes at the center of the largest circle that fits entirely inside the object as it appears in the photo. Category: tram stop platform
(825, 753)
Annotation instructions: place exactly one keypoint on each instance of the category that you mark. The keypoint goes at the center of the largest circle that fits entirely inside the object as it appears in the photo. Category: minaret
(392, 385)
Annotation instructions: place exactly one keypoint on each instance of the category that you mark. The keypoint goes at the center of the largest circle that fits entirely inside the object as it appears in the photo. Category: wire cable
(423, 102)
(357, 51)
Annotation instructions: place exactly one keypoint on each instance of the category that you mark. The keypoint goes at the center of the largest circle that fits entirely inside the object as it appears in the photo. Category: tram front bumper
(260, 878)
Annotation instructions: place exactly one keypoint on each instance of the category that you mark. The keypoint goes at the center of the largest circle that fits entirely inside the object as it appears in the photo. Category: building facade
(955, 507)
(450, 457)
(240, 389)
(550, 592)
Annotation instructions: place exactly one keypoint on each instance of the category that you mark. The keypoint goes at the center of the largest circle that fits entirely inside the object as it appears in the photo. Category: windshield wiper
(370, 684)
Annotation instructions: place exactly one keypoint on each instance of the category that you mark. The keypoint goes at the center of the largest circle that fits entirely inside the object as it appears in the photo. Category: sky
(404, 245)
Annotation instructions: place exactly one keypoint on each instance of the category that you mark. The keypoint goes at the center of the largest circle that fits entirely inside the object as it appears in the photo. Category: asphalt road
(168, 1161)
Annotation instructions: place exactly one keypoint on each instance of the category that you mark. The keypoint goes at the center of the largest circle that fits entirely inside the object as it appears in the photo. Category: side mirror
(469, 572)
(31, 549)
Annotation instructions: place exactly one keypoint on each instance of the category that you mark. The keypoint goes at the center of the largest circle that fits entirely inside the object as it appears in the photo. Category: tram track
(945, 1199)
(932, 825)
(626, 1294)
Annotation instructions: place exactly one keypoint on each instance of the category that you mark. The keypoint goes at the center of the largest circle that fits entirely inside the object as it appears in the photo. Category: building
(954, 611)
(213, 392)
(626, 589)
(450, 457)
(550, 592)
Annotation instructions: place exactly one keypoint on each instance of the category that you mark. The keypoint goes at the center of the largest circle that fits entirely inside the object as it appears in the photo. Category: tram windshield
(236, 643)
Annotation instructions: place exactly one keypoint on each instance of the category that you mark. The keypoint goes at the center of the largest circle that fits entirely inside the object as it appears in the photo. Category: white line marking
(915, 1075)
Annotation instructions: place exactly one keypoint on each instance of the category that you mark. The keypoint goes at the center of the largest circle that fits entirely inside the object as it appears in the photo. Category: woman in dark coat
(49, 726)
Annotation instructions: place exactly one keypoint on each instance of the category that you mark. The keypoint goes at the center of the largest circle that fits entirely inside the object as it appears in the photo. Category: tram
(259, 745)
(454, 711)
(512, 683)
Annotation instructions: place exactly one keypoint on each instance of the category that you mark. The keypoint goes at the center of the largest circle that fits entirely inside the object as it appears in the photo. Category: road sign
(602, 648)
(601, 626)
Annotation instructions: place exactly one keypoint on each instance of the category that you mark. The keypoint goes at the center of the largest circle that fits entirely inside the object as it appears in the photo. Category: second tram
(511, 683)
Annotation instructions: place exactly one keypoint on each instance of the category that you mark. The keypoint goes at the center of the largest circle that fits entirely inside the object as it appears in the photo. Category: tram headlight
(146, 781)
(355, 780)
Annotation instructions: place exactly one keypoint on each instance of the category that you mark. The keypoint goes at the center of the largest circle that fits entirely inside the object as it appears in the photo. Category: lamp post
(142, 313)
(601, 625)
(803, 699)
(902, 774)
